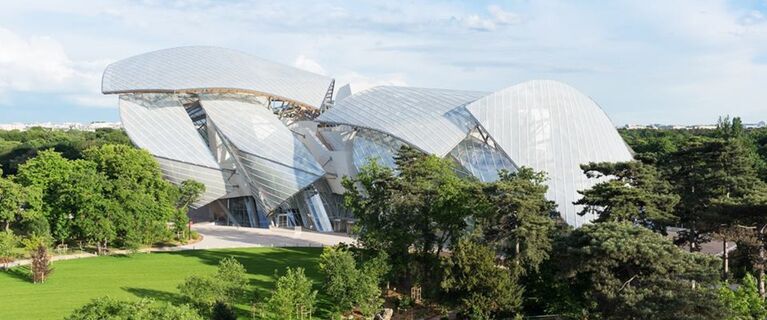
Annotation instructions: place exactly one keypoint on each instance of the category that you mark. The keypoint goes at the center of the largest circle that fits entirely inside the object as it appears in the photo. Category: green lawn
(153, 275)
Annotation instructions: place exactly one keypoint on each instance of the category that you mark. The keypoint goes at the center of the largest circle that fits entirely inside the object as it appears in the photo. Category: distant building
(61, 126)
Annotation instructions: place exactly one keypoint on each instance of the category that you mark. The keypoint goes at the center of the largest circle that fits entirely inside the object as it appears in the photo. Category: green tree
(484, 288)
(629, 191)
(350, 286)
(227, 285)
(744, 302)
(135, 182)
(8, 243)
(292, 297)
(424, 207)
(616, 270)
(145, 309)
(518, 217)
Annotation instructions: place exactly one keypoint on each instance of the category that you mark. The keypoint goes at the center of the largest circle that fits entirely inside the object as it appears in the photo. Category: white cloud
(33, 63)
(305, 63)
(504, 17)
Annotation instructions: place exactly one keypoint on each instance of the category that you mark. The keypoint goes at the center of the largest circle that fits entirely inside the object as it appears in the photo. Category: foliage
(351, 286)
(519, 217)
(424, 207)
(228, 284)
(40, 267)
(145, 309)
(616, 270)
(634, 192)
(223, 311)
(8, 242)
(16, 202)
(483, 287)
(292, 297)
(745, 302)
(16, 147)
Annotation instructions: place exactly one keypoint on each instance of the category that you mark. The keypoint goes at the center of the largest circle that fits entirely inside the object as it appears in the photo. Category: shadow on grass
(156, 295)
(21, 273)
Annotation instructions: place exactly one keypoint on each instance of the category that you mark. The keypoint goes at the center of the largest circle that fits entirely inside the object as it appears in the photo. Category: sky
(678, 61)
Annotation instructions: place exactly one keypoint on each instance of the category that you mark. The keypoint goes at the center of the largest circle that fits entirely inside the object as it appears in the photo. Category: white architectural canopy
(159, 123)
(550, 126)
(212, 69)
(432, 120)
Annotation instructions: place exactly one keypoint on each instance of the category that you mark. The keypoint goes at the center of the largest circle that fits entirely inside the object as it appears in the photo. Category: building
(271, 144)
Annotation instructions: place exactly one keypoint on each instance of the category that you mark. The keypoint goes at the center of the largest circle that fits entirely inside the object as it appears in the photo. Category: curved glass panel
(432, 120)
(550, 126)
(481, 160)
(369, 145)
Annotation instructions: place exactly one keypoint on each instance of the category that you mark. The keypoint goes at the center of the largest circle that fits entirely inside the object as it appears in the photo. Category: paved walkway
(220, 237)
(217, 237)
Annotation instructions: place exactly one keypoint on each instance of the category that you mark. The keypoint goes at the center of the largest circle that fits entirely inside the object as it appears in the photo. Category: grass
(142, 275)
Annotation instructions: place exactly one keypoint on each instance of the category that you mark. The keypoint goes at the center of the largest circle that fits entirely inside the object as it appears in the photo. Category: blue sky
(643, 61)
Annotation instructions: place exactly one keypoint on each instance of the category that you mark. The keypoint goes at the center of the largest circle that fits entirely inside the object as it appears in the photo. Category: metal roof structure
(550, 126)
(432, 120)
(212, 69)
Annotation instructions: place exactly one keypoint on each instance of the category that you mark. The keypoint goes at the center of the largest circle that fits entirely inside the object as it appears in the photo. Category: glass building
(271, 145)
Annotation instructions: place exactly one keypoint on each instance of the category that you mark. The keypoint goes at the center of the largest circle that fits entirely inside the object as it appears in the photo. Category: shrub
(41, 259)
(223, 311)
(292, 297)
(145, 309)
(228, 284)
(482, 287)
(745, 302)
(350, 286)
(8, 242)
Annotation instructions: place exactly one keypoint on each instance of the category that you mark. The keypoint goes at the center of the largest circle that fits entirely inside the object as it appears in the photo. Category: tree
(518, 218)
(41, 260)
(8, 243)
(424, 207)
(144, 309)
(223, 311)
(188, 192)
(744, 302)
(629, 191)
(227, 285)
(13, 202)
(484, 289)
(292, 297)
(351, 286)
(616, 270)
(135, 182)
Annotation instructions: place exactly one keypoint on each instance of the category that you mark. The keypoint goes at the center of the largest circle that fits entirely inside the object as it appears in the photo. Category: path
(221, 237)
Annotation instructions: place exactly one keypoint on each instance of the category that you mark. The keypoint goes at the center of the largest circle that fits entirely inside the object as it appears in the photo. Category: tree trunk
(725, 259)
(516, 251)
(7, 225)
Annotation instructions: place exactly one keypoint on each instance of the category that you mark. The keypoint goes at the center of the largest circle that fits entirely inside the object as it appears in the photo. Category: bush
(41, 260)
(8, 242)
(350, 286)
(223, 311)
(145, 309)
(482, 287)
(745, 302)
(292, 297)
(228, 284)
